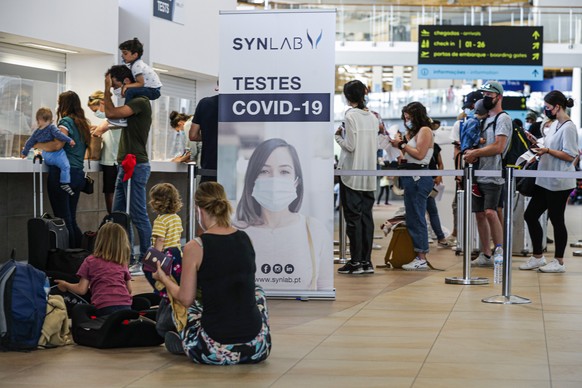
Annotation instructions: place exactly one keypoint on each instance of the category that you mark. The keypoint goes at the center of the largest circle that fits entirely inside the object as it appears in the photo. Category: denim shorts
(490, 195)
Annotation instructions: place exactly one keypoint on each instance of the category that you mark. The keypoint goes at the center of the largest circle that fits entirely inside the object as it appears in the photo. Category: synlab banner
(275, 146)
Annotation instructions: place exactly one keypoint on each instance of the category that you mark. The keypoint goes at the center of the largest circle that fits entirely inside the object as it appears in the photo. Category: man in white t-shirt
(496, 129)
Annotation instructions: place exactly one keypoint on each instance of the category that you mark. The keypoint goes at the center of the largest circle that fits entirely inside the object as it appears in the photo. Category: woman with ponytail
(229, 325)
(558, 153)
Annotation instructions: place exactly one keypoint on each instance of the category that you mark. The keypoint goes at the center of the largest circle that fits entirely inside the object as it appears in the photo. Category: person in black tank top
(233, 327)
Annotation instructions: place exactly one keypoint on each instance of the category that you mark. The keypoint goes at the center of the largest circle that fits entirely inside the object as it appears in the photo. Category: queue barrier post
(468, 226)
(506, 297)
(191, 226)
(341, 259)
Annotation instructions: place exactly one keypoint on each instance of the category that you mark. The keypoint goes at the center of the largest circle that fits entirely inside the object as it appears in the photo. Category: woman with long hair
(417, 149)
(72, 122)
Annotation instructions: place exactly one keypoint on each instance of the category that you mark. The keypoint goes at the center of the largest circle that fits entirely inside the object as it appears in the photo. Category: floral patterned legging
(204, 350)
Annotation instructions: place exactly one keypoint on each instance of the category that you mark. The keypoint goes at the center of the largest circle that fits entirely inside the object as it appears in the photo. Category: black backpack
(518, 144)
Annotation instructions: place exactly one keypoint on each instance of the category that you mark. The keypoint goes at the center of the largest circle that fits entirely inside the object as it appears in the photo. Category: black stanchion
(468, 226)
(506, 297)
(341, 259)
(191, 226)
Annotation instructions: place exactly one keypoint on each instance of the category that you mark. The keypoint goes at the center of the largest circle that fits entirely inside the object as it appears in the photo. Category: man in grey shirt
(496, 129)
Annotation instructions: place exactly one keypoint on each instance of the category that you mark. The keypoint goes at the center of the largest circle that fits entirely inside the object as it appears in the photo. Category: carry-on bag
(44, 232)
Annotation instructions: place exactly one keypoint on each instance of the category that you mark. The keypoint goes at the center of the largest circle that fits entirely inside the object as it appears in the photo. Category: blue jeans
(433, 216)
(151, 93)
(64, 205)
(59, 159)
(415, 198)
(138, 205)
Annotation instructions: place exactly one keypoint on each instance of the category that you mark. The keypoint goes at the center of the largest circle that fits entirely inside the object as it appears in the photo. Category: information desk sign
(480, 52)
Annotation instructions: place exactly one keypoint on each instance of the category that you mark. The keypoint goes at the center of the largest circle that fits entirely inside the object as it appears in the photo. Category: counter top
(15, 165)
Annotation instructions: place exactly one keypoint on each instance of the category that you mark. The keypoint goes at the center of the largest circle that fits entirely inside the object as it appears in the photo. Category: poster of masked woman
(293, 248)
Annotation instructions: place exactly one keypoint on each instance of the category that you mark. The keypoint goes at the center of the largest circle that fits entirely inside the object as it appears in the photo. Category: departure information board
(480, 52)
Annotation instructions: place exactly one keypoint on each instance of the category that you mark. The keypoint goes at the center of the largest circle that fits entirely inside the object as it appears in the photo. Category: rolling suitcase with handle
(44, 232)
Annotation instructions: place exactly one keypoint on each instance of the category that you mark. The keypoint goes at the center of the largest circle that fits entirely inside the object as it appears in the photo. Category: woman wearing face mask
(288, 244)
(417, 149)
(560, 149)
(110, 146)
(358, 142)
(230, 324)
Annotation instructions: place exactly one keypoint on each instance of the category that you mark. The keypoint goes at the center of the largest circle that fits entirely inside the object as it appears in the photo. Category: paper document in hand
(525, 157)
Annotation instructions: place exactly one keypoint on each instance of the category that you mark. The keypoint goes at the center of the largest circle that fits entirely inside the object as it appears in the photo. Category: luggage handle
(39, 157)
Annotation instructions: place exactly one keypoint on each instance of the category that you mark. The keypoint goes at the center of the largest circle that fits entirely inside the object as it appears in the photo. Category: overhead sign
(490, 52)
(172, 10)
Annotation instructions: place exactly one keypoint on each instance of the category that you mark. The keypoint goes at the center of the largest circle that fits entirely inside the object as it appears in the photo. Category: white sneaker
(553, 266)
(482, 261)
(416, 265)
(136, 270)
(533, 263)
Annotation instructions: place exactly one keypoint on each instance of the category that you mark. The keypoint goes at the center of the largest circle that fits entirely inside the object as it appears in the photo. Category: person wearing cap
(468, 111)
(532, 125)
(496, 129)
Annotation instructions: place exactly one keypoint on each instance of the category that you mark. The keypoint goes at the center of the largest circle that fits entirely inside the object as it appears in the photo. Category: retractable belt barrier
(468, 173)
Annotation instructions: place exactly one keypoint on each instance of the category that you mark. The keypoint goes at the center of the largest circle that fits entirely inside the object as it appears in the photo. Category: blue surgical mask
(100, 114)
(276, 193)
(527, 126)
(469, 112)
(408, 124)
(117, 92)
(366, 99)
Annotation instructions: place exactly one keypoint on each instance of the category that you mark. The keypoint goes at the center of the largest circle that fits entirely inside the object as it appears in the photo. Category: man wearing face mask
(532, 125)
(133, 140)
(496, 129)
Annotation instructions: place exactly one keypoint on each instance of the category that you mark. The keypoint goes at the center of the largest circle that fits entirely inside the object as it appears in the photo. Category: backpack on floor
(23, 300)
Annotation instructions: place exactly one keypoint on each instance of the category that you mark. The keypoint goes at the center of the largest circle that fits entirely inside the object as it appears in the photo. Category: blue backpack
(23, 300)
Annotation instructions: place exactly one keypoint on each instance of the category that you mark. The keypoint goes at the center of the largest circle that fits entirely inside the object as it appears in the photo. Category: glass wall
(19, 101)
(162, 135)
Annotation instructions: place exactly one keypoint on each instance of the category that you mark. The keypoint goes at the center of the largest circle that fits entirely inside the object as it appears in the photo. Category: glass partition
(19, 101)
(162, 135)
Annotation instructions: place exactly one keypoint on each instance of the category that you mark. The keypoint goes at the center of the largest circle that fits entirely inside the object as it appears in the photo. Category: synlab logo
(310, 39)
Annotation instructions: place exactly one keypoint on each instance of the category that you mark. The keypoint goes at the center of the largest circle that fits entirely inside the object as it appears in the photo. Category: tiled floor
(390, 329)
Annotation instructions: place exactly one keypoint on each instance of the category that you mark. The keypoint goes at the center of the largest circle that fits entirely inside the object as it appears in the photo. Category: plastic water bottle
(498, 265)
(47, 287)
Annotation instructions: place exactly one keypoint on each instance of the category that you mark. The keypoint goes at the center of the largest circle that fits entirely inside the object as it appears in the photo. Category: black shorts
(109, 178)
(490, 194)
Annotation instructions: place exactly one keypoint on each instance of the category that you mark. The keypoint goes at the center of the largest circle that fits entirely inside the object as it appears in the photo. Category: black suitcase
(120, 217)
(44, 232)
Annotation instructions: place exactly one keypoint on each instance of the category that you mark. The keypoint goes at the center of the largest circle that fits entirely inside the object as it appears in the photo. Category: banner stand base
(301, 295)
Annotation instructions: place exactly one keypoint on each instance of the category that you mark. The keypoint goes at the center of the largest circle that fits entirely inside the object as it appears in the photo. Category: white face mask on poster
(276, 193)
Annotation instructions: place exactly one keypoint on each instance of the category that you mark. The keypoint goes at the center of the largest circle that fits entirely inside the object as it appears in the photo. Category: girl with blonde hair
(105, 272)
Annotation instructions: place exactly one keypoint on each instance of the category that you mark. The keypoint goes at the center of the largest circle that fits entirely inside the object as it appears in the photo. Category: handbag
(525, 185)
(88, 188)
(89, 182)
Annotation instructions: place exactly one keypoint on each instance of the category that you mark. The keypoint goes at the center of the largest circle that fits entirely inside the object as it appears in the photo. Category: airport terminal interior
(392, 328)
